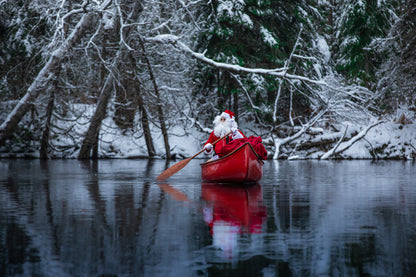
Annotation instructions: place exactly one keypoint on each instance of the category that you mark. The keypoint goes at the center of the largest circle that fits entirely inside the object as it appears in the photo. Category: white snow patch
(324, 48)
(247, 20)
(268, 37)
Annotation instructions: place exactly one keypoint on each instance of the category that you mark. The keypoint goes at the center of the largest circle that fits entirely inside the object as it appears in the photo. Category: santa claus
(223, 124)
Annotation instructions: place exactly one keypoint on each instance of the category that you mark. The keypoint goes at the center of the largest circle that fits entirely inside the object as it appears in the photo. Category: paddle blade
(173, 169)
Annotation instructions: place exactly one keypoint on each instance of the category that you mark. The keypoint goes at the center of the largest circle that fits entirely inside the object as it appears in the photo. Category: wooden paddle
(178, 166)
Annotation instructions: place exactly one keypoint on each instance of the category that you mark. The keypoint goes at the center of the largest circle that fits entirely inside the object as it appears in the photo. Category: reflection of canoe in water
(229, 210)
(234, 206)
(241, 165)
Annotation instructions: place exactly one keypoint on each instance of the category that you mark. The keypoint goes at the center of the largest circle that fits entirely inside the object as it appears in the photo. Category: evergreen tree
(396, 77)
(357, 28)
(255, 34)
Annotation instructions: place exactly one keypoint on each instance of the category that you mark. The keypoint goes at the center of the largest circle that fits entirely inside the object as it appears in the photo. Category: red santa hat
(229, 115)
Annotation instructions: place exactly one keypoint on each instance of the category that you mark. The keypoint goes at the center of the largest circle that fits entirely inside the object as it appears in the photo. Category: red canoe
(242, 165)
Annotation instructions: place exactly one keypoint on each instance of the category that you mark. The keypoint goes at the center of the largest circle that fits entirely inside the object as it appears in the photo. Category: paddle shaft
(215, 142)
(178, 166)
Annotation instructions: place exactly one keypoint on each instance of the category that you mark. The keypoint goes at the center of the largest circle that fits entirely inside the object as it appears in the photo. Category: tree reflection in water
(110, 217)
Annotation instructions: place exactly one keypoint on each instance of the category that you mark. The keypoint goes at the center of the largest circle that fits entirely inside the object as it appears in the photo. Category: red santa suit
(219, 145)
(221, 128)
(223, 124)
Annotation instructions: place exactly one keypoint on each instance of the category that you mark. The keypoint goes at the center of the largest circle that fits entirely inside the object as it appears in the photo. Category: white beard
(221, 128)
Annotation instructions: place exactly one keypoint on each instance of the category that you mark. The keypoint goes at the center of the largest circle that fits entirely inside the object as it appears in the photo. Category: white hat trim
(226, 115)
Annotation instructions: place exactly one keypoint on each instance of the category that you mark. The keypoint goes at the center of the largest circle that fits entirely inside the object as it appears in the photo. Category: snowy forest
(315, 79)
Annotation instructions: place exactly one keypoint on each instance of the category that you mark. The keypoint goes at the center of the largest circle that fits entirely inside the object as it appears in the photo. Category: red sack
(256, 142)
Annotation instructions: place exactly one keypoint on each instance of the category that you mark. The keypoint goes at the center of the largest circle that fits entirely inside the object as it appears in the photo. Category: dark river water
(111, 218)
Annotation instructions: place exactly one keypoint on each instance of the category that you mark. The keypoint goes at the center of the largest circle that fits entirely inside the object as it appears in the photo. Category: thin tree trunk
(94, 155)
(89, 146)
(221, 101)
(159, 102)
(235, 105)
(146, 128)
(44, 146)
(91, 138)
(9, 125)
(134, 87)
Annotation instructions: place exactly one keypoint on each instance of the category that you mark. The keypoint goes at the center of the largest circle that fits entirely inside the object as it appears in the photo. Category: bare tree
(89, 147)
(48, 71)
(90, 142)
(144, 117)
(44, 147)
(330, 96)
(159, 101)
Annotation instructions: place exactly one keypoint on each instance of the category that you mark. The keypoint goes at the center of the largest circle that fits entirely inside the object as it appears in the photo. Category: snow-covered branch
(43, 78)
(287, 63)
(255, 108)
(277, 72)
(190, 14)
(348, 144)
(197, 124)
(279, 142)
(246, 92)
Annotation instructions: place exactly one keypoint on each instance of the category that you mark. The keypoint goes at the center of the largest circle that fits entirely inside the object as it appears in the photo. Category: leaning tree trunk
(90, 142)
(146, 128)
(9, 125)
(142, 109)
(44, 145)
(159, 102)
(94, 154)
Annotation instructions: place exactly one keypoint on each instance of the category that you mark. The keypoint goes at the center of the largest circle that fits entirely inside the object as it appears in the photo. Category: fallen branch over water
(337, 149)
(280, 142)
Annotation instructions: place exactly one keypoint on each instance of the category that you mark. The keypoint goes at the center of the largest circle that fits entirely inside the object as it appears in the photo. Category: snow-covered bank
(388, 140)
(394, 138)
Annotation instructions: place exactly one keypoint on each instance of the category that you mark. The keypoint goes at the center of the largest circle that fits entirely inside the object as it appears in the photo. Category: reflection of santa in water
(230, 211)
(223, 124)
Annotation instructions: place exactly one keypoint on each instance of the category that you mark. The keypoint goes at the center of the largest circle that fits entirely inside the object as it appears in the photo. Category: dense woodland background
(78, 78)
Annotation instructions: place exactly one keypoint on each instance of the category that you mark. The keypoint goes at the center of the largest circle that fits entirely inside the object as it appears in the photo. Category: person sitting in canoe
(223, 124)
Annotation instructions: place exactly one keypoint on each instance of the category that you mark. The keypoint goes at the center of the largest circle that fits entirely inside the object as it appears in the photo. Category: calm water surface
(111, 218)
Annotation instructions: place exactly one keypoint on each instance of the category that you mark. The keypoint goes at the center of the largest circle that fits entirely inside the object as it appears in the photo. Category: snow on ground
(117, 145)
(388, 140)
(385, 141)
